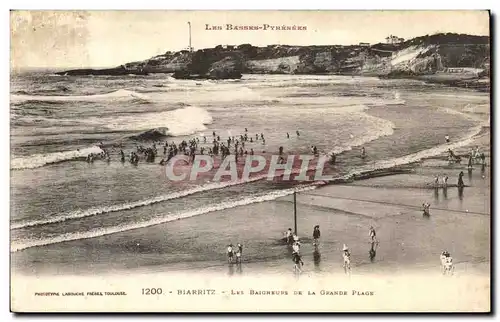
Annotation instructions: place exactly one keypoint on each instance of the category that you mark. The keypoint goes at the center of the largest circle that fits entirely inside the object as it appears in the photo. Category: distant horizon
(95, 39)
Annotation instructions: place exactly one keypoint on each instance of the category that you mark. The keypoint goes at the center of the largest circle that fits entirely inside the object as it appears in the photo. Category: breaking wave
(160, 219)
(39, 160)
(121, 94)
(381, 128)
(130, 205)
(183, 121)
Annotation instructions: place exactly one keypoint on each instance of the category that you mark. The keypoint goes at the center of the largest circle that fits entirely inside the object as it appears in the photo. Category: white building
(394, 40)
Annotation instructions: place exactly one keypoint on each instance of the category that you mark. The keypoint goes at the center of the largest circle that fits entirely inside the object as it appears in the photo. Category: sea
(56, 121)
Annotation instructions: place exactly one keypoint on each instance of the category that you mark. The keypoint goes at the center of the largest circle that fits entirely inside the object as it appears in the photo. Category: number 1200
(152, 291)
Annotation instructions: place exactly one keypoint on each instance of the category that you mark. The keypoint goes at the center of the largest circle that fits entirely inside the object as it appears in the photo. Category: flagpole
(295, 211)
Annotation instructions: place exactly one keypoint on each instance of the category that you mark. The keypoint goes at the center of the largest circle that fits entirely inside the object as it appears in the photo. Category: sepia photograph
(250, 161)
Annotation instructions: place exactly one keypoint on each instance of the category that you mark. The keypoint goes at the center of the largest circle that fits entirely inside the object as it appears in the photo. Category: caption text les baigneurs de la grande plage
(210, 292)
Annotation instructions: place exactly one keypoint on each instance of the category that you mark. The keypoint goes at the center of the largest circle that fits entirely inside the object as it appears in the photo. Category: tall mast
(295, 211)
(190, 48)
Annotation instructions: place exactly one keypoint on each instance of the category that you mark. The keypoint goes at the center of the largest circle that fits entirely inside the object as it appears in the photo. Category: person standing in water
(239, 253)
(483, 159)
(445, 182)
(436, 181)
(363, 152)
(426, 208)
(373, 235)
(297, 263)
(287, 135)
(289, 236)
(298, 134)
(333, 158)
(460, 183)
(447, 138)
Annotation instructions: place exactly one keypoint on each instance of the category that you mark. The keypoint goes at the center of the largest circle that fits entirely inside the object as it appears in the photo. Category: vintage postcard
(250, 161)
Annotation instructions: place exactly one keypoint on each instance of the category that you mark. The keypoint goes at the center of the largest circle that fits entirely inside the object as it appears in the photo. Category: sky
(78, 39)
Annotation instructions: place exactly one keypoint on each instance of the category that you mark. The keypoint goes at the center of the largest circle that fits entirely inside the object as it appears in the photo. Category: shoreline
(481, 84)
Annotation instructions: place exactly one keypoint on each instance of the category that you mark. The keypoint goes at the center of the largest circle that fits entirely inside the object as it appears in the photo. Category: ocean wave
(16, 246)
(418, 156)
(121, 94)
(182, 121)
(381, 128)
(178, 122)
(130, 205)
(39, 160)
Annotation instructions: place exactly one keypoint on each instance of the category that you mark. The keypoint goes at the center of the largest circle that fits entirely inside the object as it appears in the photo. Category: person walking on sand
(297, 263)
(446, 263)
(316, 235)
(346, 256)
(230, 253)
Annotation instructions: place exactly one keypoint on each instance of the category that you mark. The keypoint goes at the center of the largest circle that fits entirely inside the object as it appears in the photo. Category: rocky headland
(452, 59)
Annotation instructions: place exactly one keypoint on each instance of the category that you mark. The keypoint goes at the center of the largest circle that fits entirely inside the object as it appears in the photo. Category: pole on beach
(295, 211)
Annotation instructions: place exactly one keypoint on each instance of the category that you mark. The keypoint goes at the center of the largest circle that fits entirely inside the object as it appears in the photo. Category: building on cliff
(394, 40)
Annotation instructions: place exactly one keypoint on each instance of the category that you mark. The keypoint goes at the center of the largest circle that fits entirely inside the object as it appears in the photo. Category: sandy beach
(391, 204)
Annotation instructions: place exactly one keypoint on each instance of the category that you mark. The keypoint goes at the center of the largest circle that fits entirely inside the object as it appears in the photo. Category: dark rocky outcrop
(151, 135)
(117, 71)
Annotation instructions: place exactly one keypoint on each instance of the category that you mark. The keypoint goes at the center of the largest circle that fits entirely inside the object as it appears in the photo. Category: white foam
(39, 160)
(414, 157)
(130, 205)
(381, 128)
(121, 94)
(183, 121)
(15, 246)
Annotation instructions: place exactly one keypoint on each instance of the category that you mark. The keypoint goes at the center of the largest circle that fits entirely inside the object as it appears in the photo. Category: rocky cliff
(453, 55)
